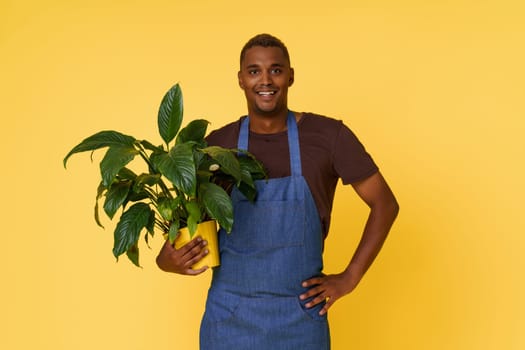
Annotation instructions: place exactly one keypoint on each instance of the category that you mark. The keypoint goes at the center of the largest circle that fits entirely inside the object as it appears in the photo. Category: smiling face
(265, 76)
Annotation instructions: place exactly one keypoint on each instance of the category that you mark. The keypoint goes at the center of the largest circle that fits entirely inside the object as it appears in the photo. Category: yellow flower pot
(208, 231)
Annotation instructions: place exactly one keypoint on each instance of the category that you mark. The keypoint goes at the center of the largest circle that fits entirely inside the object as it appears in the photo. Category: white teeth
(266, 93)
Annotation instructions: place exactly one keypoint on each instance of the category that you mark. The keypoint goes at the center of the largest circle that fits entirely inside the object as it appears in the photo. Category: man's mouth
(266, 93)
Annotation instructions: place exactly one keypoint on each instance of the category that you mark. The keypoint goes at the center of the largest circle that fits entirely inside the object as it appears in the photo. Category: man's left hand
(329, 288)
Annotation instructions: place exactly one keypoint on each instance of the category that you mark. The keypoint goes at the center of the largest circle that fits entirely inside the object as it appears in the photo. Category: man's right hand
(181, 260)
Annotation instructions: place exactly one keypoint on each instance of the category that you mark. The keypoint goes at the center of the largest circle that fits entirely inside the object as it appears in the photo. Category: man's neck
(270, 124)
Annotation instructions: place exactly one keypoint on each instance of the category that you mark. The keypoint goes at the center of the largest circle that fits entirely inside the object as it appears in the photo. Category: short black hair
(265, 40)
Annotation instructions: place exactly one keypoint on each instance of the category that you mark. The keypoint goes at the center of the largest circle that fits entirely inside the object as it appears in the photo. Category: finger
(195, 249)
(313, 281)
(312, 292)
(195, 259)
(317, 300)
(190, 245)
(329, 303)
(193, 272)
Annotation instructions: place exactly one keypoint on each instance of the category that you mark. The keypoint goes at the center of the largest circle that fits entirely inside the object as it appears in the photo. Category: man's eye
(276, 71)
(252, 72)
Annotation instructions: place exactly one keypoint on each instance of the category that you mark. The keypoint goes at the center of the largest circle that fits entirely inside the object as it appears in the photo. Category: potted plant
(185, 185)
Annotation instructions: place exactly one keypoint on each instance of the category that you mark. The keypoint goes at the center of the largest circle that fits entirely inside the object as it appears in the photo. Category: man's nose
(266, 78)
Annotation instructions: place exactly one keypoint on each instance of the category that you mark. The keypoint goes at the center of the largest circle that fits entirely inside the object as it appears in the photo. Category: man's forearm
(376, 230)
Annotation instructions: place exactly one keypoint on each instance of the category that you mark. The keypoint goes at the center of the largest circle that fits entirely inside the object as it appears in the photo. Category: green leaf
(253, 166)
(115, 159)
(164, 208)
(106, 138)
(226, 159)
(151, 224)
(128, 228)
(116, 197)
(153, 161)
(170, 114)
(126, 174)
(178, 167)
(100, 191)
(217, 204)
(194, 131)
(199, 158)
(133, 254)
(145, 179)
(247, 186)
(146, 238)
(246, 177)
(194, 216)
(148, 145)
(97, 216)
(135, 197)
(251, 170)
(249, 192)
(174, 231)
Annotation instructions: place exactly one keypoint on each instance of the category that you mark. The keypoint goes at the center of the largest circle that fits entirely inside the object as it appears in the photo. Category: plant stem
(162, 185)
(165, 189)
(162, 226)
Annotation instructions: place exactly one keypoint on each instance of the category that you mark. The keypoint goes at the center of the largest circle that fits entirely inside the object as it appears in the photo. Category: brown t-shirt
(329, 151)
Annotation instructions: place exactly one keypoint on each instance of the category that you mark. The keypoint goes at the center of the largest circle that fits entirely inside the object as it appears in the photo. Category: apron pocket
(266, 323)
(220, 306)
(267, 225)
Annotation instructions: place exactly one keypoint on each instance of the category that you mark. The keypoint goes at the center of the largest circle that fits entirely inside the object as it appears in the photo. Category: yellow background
(434, 89)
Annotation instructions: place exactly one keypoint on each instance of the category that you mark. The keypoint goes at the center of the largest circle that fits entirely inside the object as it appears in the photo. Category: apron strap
(293, 142)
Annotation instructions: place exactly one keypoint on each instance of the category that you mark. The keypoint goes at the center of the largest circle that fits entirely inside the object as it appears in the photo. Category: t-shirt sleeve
(224, 137)
(352, 162)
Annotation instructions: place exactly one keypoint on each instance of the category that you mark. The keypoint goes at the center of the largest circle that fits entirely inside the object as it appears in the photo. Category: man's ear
(291, 80)
(240, 80)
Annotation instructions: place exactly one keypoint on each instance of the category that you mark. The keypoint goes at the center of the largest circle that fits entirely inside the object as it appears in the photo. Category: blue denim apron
(276, 243)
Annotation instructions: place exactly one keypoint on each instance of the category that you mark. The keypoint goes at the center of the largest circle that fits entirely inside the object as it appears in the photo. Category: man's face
(265, 76)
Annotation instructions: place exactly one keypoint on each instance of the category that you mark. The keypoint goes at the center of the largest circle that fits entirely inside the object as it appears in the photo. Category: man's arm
(374, 191)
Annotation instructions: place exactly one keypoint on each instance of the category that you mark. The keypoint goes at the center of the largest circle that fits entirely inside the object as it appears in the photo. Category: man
(270, 292)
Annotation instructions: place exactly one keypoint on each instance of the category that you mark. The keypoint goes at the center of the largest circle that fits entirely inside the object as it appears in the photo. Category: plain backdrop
(434, 89)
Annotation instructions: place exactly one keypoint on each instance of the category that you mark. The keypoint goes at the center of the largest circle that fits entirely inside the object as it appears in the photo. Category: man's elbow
(387, 206)
(392, 207)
